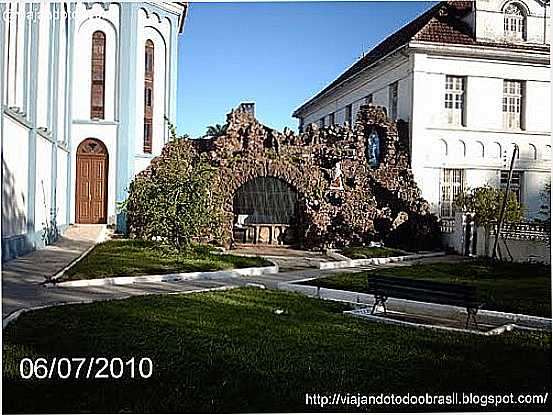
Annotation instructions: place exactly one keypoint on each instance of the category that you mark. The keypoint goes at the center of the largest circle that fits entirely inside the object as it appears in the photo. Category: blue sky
(276, 54)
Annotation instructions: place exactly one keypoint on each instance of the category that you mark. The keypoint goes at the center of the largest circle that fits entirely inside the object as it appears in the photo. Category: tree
(172, 199)
(485, 202)
(216, 130)
(545, 208)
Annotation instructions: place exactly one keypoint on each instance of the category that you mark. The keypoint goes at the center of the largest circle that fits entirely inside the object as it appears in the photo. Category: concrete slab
(288, 259)
(60, 296)
(21, 277)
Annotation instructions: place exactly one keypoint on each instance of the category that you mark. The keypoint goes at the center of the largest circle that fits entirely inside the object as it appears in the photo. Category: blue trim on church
(127, 126)
(60, 136)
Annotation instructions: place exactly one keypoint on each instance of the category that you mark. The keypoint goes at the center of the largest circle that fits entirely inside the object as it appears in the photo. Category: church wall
(46, 109)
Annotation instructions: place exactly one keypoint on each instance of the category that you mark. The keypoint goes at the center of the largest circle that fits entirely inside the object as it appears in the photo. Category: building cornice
(177, 8)
(489, 130)
(95, 122)
(526, 165)
(18, 116)
(483, 51)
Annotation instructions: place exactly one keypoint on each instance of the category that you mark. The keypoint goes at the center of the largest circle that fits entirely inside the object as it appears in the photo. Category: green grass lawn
(126, 257)
(228, 351)
(516, 288)
(363, 252)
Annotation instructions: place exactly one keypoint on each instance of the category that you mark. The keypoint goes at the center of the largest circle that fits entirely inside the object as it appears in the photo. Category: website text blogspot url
(455, 398)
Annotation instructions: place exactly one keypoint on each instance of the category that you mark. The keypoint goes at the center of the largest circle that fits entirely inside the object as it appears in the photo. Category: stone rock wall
(343, 200)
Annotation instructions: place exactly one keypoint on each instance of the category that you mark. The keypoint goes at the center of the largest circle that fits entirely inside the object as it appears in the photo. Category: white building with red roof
(471, 79)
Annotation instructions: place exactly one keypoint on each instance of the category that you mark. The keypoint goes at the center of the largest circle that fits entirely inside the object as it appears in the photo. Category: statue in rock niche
(373, 149)
(336, 177)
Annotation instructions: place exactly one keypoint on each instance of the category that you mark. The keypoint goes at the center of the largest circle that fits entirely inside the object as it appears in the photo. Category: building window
(454, 101)
(512, 104)
(300, 127)
(147, 135)
(322, 122)
(514, 21)
(98, 73)
(392, 98)
(149, 57)
(452, 185)
(148, 94)
(369, 99)
(148, 97)
(331, 119)
(349, 114)
(516, 182)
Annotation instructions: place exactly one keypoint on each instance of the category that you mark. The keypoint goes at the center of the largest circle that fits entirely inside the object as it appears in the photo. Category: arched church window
(148, 95)
(98, 75)
(514, 21)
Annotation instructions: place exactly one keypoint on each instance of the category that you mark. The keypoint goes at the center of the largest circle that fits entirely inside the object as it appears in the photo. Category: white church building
(86, 88)
(471, 79)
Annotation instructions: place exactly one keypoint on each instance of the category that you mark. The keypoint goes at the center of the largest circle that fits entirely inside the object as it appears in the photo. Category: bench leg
(374, 306)
(474, 319)
(471, 314)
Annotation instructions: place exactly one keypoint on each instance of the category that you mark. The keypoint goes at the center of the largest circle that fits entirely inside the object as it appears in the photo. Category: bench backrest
(423, 290)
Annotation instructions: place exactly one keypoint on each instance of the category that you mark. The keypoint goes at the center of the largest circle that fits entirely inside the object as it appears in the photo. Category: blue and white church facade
(86, 91)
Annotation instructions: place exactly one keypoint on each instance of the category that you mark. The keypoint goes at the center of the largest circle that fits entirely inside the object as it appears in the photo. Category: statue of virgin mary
(373, 149)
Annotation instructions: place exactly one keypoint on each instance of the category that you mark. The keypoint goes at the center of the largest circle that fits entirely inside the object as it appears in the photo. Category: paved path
(288, 259)
(294, 274)
(21, 277)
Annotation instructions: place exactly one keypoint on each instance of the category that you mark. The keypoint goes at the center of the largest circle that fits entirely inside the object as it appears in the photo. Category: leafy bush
(485, 202)
(171, 200)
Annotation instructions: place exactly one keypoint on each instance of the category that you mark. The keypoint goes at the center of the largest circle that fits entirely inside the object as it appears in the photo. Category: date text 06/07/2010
(85, 368)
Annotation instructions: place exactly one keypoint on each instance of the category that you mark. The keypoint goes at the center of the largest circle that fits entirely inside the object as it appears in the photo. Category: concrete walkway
(288, 259)
(21, 277)
(296, 273)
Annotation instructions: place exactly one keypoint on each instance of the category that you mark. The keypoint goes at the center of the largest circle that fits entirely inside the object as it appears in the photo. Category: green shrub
(486, 201)
(171, 200)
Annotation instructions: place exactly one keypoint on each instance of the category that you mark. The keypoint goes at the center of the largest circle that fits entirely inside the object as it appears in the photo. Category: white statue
(336, 177)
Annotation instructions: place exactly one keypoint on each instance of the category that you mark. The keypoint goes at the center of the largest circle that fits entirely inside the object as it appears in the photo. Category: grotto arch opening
(266, 210)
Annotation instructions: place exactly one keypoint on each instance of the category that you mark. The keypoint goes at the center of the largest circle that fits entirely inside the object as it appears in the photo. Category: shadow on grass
(230, 352)
(509, 287)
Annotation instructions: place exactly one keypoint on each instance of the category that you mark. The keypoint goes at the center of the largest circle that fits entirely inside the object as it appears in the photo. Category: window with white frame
(392, 98)
(516, 182)
(514, 21)
(454, 101)
(331, 119)
(512, 104)
(452, 185)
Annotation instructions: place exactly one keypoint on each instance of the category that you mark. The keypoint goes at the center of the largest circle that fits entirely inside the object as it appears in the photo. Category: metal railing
(525, 231)
(447, 225)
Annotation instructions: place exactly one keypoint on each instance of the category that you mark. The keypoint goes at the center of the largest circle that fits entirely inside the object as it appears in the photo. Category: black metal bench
(426, 291)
